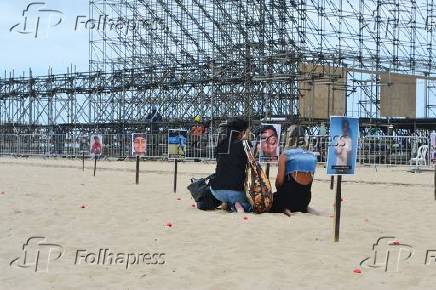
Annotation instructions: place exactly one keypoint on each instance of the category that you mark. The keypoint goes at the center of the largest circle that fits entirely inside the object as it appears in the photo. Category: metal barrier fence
(392, 150)
(115, 145)
(388, 150)
(379, 150)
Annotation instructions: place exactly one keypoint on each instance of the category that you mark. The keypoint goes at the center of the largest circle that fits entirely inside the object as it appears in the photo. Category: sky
(56, 46)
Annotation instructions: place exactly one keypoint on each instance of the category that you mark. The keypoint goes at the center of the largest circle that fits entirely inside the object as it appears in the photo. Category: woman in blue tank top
(295, 174)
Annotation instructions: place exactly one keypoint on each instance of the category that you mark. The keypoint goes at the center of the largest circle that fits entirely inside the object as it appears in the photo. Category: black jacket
(231, 165)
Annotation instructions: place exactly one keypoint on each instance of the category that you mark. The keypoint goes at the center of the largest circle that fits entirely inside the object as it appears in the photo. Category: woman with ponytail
(295, 174)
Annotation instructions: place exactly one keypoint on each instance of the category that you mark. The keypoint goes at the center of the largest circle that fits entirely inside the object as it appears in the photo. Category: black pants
(292, 196)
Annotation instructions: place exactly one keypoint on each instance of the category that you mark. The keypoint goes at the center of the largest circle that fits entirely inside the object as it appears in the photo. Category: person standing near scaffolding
(197, 131)
(152, 118)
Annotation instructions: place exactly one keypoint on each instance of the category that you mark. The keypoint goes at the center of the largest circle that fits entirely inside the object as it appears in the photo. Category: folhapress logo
(387, 254)
(33, 19)
(38, 254)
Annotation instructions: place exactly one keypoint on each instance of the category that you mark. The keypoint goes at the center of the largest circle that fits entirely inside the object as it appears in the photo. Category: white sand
(208, 250)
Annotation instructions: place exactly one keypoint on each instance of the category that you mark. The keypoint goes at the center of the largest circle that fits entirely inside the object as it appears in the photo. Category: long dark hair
(231, 130)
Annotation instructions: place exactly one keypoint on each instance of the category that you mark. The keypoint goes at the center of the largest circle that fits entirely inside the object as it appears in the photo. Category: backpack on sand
(200, 191)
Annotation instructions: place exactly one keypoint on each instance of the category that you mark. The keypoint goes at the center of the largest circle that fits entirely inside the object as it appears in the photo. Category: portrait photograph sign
(433, 147)
(269, 145)
(84, 143)
(139, 144)
(343, 143)
(177, 143)
(96, 142)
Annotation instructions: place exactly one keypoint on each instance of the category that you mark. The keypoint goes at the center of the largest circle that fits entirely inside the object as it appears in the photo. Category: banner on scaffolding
(397, 95)
(322, 91)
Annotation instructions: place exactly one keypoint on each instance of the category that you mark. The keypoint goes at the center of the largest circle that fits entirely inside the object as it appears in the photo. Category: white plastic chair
(421, 156)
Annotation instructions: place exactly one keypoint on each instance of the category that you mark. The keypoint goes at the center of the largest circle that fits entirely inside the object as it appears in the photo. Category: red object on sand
(83, 206)
(245, 218)
(169, 225)
(193, 205)
(395, 243)
(357, 270)
(179, 198)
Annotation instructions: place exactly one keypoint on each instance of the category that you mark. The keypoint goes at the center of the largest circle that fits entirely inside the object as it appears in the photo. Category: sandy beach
(78, 214)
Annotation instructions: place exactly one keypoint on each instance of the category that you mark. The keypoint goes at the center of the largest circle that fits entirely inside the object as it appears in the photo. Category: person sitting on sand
(295, 174)
(228, 184)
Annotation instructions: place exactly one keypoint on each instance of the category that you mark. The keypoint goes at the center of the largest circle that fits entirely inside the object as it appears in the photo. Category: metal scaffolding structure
(219, 58)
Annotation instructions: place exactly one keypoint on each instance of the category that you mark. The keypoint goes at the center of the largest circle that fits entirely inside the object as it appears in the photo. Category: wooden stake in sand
(338, 207)
(83, 161)
(137, 169)
(175, 175)
(332, 182)
(95, 163)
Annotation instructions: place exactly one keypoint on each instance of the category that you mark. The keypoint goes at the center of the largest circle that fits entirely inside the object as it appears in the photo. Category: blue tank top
(299, 160)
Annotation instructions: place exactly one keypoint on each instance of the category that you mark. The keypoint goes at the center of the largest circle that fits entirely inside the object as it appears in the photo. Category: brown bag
(257, 185)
